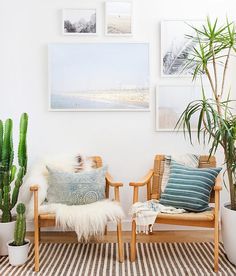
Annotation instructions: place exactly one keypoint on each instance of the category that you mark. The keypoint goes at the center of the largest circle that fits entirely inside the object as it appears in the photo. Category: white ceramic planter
(6, 234)
(228, 224)
(18, 255)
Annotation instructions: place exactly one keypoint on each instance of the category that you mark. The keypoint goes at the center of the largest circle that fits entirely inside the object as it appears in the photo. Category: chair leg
(39, 234)
(36, 248)
(216, 246)
(105, 231)
(120, 243)
(149, 230)
(133, 242)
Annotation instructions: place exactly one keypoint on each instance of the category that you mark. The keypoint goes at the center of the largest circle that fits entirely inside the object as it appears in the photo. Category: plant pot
(18, 255)
(228, 222)
(6, 234)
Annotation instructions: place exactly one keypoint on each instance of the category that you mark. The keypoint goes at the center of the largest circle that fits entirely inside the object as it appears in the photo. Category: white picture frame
(119, 18)
(128, 88)
(175, 46)
(79, 22)
(171, 100)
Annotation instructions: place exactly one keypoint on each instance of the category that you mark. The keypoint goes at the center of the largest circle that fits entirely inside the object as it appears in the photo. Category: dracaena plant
(215, 44)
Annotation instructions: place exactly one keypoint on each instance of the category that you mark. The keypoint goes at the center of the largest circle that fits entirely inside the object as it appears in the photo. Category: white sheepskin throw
(86, 220)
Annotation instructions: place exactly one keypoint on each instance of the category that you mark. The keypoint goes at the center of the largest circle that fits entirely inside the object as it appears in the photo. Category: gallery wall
(127, 141)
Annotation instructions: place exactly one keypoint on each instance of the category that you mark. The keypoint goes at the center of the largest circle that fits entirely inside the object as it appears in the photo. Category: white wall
(126, 140)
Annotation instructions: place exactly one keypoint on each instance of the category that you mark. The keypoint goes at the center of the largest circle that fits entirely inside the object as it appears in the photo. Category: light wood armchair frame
(49, 220)
(209, 219)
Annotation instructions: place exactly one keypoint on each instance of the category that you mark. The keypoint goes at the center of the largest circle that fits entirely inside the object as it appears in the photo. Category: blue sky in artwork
(98, 66)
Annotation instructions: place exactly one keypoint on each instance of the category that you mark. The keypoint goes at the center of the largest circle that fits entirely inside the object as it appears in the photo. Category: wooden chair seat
(47, 216)
(203, 216)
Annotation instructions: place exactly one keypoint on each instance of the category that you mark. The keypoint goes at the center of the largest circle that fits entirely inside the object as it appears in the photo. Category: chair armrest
(111, 182)
(143, 181)
(218, 186)
(34, 188)
(114, 184)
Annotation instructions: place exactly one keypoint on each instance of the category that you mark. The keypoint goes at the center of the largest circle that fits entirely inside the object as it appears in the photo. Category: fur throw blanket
(86, 220)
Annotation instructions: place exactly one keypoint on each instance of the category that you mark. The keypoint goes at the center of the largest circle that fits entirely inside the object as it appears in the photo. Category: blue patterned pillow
(189, 188)
(76, 188)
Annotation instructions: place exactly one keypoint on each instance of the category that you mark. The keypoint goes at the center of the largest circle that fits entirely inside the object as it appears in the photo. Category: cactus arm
(1, 139)
(20, 229)
(18, 235)
(6, 214)
(11, 152)
(22, 149)
(7, 145)
(18, 183)
(1, 195)
(13, 173)
(1, 143)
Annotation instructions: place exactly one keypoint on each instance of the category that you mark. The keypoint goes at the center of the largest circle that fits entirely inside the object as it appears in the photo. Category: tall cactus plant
(20, 228)
(8, 171)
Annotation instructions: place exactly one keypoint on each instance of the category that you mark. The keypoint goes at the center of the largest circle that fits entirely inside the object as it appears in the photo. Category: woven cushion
(76, 188)
(189, 188)
(201, 216)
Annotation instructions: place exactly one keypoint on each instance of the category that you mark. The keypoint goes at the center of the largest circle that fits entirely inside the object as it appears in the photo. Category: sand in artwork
(116, 99)
(118, 24)
(118, 17)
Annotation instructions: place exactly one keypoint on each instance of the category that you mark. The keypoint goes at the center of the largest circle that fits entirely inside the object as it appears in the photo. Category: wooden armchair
(49, 220)
(209, 219)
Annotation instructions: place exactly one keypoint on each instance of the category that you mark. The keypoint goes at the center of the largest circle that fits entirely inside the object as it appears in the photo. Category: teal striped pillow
(189, 188)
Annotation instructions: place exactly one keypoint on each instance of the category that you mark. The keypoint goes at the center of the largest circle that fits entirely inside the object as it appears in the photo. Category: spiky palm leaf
(216, 121)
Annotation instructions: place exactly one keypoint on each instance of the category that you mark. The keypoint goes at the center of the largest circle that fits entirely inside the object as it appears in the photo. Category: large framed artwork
(176, 47)
(79, 22)
(118, 18)
(99, 77)
(171, 101)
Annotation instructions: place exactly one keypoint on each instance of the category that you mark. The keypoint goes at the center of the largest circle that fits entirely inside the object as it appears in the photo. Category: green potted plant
(10, 173)
(214, 46)
(19, 248)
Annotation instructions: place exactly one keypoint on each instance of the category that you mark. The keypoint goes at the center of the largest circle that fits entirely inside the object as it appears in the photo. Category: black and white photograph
(79, 22)
(176, 47)
(118, 17)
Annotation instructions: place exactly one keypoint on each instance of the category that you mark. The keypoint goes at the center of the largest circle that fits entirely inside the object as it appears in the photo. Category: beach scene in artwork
(99, 76)
(172, 101)
(119, 17)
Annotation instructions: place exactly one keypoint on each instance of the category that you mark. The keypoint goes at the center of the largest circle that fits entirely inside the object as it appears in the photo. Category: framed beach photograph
(79, 22)
(118, 18)
(99, 77)
(171, 101)
(176, 47)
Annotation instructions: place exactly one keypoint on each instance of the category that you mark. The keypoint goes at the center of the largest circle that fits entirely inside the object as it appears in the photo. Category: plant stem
(224, 72)
(215, 70)
(210, 79)
(232, 187)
